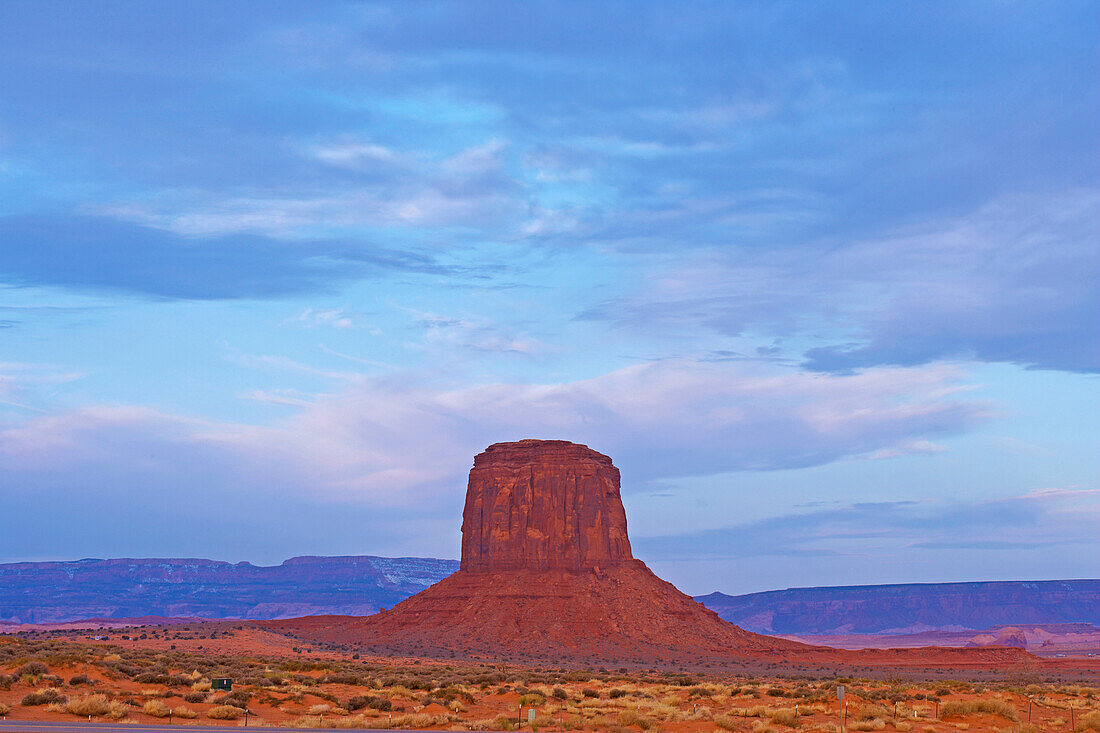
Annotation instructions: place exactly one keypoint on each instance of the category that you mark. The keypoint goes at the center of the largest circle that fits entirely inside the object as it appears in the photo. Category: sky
(821, 278)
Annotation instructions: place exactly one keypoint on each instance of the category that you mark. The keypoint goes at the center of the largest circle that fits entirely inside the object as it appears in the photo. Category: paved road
(65, 726)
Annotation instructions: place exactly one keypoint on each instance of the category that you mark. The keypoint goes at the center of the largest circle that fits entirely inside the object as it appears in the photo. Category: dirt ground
(144, 674)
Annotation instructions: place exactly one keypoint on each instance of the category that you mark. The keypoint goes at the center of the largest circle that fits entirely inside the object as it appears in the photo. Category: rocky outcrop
(546, 572)
(543, 504)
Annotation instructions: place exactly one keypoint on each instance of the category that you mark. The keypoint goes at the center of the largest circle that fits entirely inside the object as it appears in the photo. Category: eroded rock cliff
(543, 504)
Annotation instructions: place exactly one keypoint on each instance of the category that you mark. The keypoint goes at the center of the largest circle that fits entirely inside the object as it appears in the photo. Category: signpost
(840, 697)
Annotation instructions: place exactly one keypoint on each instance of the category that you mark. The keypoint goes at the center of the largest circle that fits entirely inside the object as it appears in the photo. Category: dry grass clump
(1088, 721)
(184, 712)
(4, 709)
(89, 705)
(224, 712)
(902, 726)
(759, 726)
(319, 709)
(500, 722)
(117, 710)
(992, 707)
(784, 716)
(202, 685)
(725, 722)
(156, 709)
(872, 724)
(870, 712)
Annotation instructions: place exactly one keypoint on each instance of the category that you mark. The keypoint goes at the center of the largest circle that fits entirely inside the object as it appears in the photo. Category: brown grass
(1088, 721)
(156, 709)
(224, 712)
(184, 712)
(725, 722)
(89, 705)
(992, 707)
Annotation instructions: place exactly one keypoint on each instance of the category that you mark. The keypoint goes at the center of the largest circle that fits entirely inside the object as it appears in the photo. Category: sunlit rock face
(543, 504)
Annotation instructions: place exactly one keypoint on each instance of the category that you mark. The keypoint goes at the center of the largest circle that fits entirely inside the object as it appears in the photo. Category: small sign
(531, 715)
(840, 692)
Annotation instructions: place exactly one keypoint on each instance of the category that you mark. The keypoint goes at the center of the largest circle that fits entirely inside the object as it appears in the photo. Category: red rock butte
(547, 573)
(546, 570)
(542, 504)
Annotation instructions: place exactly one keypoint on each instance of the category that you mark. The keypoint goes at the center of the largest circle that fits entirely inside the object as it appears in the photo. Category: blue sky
(821, 278)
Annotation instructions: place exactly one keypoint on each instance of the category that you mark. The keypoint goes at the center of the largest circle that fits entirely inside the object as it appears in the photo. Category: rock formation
(546, 572)
(542, 504)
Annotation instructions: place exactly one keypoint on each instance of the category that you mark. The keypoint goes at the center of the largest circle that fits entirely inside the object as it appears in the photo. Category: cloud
(898, 528)
(386, 189)
(341, 319)
(21, 384)
(1013, 281)
(448, 333)
(389, 442)
(97, 253)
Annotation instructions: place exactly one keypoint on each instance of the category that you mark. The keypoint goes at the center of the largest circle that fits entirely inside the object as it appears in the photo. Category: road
(36, 726)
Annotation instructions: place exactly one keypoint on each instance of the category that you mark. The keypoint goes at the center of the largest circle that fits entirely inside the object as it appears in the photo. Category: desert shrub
(184, 712)
(201, 686)
(903, 726)
(4, 709)
(33, 669)
(943, 691)
(1088, 721)
(873, 724)
(784, 716)
(589, 692)
(78, 679)
(628, 717)
(725, 722)
(559, 693)
(151, 678)
(195, 696)
(224, 712)
(237, 698)
(320, 709)
(117, 710)
(615, 692)
(156, 708)
(43, 697)
(89, 705)
(371, 701)
(342, 678)
(870, 712)
(992, 707)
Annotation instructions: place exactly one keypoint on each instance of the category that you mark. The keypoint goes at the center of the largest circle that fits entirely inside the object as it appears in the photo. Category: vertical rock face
(543, 504)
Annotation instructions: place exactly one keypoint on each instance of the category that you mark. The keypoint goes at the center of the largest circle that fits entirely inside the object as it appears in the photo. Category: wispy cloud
(898, 528)
(1010, 282)
(105, 255)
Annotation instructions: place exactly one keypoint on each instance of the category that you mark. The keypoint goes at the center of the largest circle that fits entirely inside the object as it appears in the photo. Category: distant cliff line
(358, 585)
(912, 607)
(46, 592)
